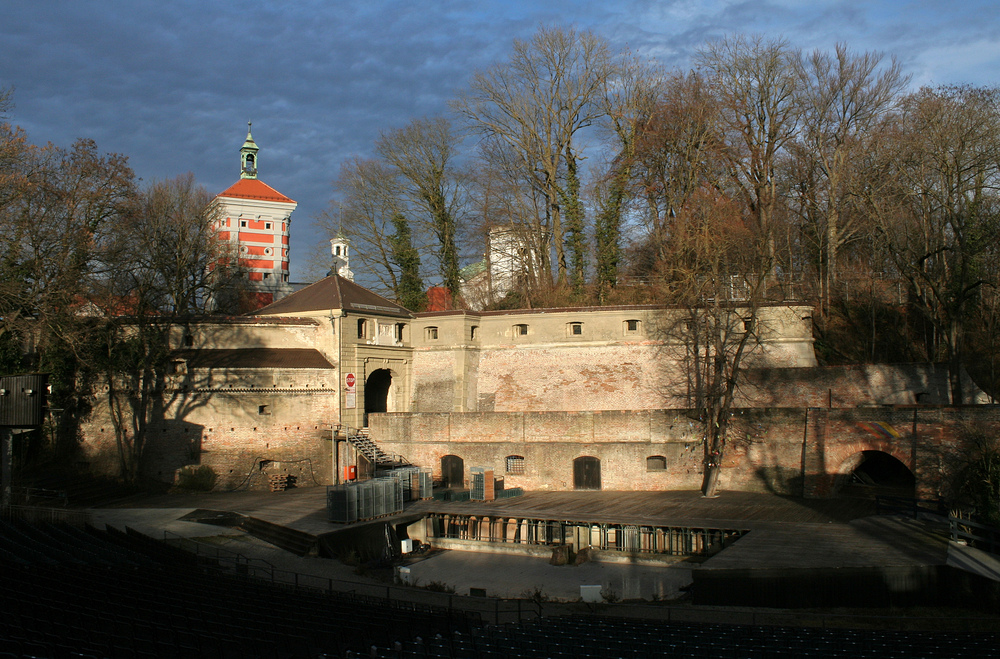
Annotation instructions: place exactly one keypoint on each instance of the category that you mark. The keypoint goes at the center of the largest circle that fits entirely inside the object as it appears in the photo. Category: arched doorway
(377, 392)
(453, 471)
(586, 473)
(873, 472)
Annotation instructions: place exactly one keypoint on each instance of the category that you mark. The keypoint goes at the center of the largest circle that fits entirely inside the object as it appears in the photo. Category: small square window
(632, 326)
(432, 333)
(520, 330)
(189, 339)
(267, 225)
(263, 409)
(656, 463)
(243, 223)
(515, 464)
(576, 329)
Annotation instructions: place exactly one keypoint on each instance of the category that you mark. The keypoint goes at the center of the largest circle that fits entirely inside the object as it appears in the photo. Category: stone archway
(378, 392)
(873, 472)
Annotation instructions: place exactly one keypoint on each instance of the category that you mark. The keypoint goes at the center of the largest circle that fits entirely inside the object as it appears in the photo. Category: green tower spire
(248, 156)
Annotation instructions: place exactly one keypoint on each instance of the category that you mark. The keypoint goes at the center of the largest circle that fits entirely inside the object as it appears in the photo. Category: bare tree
(629, 99)
(935, 205)
(56, 206)
(755, 80)
(369, 197)
(678, 151)
(423, 154)
(535, 103)
(161, 265)
(715, 266)
(844, 97)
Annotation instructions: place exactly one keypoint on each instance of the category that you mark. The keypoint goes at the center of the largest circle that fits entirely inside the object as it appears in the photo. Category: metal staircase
(366, 446)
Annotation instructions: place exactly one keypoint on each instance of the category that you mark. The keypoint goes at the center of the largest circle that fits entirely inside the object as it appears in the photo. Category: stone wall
(231, 430)
(586, 359)
(798, 451)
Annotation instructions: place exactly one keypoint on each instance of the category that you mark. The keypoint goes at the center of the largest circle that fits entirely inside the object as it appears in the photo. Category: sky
(172, 84)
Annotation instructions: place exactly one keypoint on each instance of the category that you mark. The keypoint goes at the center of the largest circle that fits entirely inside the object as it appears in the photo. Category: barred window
(515, 464)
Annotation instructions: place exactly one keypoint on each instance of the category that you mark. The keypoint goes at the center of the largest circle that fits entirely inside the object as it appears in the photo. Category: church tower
(256, 218)
(340, 250)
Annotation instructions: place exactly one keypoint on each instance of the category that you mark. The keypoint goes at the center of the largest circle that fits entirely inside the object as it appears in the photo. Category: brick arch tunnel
(874, 471)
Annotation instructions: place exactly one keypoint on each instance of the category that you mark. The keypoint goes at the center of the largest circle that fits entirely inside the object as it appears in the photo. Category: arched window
(656, 463)
(515, 464)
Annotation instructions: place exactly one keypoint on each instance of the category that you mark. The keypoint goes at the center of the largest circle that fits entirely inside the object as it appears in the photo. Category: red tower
(256, 218)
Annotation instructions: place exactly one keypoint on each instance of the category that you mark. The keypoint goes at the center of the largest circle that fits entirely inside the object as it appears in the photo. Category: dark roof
(335, 292)
(253, 358)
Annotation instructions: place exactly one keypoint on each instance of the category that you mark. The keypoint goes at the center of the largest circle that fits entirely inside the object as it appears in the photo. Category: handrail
(220, 554)
(351, 434)
(891, 505)
(26, 493)
(46, 514)
(962, 529)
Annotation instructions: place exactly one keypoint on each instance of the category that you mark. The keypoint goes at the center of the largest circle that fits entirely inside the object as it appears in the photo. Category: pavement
(529, 577)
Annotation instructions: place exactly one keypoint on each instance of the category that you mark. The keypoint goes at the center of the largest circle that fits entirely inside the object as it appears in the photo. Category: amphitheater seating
(600, 637)
(67, 593)
(75, 594)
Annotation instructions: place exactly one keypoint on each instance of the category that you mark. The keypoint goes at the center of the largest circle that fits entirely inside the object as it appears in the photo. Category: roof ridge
(242, 189)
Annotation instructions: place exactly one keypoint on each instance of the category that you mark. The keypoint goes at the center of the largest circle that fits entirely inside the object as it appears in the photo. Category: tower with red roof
(256, 218)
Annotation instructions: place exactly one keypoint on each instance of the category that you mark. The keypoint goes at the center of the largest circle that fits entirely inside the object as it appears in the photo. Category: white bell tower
(340, 248)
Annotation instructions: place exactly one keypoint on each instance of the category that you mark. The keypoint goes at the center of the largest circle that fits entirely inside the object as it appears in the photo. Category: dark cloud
(172, 85)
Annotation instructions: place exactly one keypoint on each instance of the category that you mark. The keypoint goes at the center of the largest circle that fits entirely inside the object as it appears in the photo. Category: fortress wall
(796, 451)
(230, 432)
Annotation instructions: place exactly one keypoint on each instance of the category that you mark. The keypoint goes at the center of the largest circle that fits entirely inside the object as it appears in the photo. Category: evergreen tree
(410, 287)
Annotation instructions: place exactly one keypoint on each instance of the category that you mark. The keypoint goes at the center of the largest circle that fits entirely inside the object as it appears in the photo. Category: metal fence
(38, 514)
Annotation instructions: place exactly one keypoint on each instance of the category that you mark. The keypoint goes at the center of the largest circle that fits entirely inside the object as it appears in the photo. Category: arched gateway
(377, 390)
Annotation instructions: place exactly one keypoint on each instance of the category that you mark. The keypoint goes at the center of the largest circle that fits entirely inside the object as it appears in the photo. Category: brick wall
(230, 431)
(809, 451)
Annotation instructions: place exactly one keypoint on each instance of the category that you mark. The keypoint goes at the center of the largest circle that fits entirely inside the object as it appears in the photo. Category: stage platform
(787, 538)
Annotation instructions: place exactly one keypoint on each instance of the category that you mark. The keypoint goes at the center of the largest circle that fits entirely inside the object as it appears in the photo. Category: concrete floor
(525, 576)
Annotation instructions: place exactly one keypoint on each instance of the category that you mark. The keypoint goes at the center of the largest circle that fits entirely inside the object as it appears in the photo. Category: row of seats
(66, 593)
(110, 594)
(590, 636)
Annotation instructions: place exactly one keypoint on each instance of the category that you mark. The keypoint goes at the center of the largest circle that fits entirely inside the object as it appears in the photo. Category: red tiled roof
(251, 188)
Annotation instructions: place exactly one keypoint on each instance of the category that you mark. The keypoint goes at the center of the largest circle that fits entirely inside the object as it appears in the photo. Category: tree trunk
(710, 483)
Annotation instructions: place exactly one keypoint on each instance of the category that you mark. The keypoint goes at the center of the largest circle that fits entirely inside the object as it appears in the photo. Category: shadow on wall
(173, 445)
